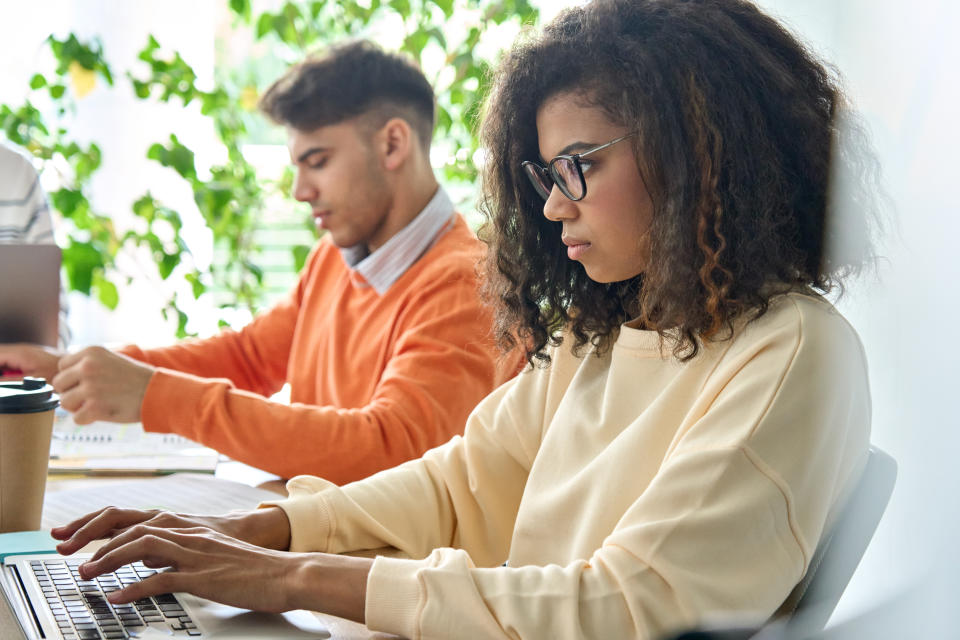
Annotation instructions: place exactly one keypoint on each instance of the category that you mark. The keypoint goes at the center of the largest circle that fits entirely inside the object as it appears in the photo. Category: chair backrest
(813, 600)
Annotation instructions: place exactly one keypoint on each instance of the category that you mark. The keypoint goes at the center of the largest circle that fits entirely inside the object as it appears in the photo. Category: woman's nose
(558, 206)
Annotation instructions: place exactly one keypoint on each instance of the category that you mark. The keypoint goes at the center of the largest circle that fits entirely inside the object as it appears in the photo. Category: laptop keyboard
(82, 612)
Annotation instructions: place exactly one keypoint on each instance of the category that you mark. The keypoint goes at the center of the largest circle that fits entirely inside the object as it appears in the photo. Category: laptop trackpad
(221, 621)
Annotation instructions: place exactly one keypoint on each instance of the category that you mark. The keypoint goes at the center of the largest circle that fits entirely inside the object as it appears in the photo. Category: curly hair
(738, 127)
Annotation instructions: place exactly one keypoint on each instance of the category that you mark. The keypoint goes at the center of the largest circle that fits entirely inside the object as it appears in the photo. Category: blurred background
(171, 206)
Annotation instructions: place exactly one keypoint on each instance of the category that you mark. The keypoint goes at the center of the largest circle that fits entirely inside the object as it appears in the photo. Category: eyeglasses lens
(564, 172)
(538, 178)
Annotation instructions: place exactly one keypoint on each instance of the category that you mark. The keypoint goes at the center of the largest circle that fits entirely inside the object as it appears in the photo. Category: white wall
(899, 60)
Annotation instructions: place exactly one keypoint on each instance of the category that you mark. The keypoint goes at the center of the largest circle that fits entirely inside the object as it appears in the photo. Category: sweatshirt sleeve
(464, 493)
(727, 525)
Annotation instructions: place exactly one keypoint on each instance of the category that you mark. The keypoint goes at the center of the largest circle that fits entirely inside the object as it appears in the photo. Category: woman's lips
(575, 247)
(576, 251)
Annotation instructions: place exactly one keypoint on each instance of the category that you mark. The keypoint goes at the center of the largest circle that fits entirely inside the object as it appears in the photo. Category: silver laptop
(52, 602)
(29, 293)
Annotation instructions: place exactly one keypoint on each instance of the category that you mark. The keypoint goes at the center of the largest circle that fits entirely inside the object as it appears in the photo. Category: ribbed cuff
(395, 595)
(311, 521)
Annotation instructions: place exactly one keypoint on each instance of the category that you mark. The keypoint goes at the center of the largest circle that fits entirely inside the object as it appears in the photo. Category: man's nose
(303, 190)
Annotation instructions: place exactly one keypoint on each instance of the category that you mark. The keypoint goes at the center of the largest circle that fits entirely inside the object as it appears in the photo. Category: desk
(339, 628)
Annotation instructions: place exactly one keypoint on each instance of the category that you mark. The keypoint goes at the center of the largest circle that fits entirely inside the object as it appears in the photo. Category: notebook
(52, 602)
(29, 293)
(106, 448)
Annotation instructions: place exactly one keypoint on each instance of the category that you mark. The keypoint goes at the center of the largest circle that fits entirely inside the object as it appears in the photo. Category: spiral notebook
(106, 448)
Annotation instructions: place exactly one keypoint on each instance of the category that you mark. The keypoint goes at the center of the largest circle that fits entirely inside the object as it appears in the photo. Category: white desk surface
(339, 628)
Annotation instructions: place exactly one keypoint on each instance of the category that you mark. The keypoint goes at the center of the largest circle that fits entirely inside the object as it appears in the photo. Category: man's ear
(396, 140)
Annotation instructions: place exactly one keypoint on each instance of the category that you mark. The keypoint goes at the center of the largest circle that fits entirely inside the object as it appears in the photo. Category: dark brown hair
(737, 124)
(352, 79)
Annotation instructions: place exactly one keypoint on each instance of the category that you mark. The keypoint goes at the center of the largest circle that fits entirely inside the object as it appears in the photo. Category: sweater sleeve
(442, 364)
(252, 359)
(726, 526)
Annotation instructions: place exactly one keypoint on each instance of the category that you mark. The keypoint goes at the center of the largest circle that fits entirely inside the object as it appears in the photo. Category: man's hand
(30, 360)
(98, 384)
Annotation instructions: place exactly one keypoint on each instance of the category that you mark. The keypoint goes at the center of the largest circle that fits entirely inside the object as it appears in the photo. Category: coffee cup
(26, 424)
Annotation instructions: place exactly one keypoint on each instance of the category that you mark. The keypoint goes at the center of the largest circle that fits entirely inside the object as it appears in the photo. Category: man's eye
(585, 165)
(317, 164)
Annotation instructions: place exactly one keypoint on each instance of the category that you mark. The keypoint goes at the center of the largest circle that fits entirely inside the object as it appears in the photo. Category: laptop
(29, 293)
(52, 602)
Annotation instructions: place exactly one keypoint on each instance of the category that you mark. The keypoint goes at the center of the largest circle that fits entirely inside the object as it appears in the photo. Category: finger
(67, 378)
(65, 531)
(71, 400)
(161, 582)
(102, 525)
(71, 359)
(153, 547)
(184, 537)
(128, 535)
(90, 411)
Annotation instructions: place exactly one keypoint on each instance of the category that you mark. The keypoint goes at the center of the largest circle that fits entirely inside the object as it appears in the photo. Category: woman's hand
(203, 562)
(212, 565)
(267, 528)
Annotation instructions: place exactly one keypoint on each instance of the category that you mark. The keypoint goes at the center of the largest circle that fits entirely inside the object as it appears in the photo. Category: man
(383, 340)
(25, 214)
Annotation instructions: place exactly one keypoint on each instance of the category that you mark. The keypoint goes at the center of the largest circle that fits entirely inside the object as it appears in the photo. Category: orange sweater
(375, 380)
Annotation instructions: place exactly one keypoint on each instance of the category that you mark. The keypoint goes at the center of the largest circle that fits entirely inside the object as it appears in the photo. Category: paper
(106, 448)
(181, 492)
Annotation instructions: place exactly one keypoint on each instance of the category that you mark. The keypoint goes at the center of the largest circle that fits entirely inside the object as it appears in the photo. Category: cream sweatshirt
(629, 494)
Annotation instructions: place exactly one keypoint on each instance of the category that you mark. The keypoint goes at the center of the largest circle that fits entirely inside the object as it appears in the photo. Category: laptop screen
(29, 293)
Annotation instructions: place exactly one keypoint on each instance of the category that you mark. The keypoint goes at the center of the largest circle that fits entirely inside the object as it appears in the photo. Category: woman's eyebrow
(576, 146)
(571, 148)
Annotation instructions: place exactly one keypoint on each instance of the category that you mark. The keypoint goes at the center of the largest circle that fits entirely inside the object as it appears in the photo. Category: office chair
(808, 607)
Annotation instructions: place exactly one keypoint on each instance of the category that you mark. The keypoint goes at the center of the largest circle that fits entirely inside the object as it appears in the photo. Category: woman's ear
(396, 143)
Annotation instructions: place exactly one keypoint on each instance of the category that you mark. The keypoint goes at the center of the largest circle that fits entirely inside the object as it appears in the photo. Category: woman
(656, 181)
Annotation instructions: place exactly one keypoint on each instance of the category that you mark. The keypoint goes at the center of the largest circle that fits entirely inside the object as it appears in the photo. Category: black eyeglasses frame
(540, 177)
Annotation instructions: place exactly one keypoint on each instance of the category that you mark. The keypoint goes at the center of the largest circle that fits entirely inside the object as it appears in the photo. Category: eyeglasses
(565, 171)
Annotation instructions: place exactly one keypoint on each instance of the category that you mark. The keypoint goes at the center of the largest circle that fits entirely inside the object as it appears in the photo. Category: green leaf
(37, 81)
(182, 320)
(167, 264)
(300, 254)
(264, 24)
(57, 91)
(67, 201)
(80, 259)
(446, 6)
(106, 292)
(196, 285)
(241, 8)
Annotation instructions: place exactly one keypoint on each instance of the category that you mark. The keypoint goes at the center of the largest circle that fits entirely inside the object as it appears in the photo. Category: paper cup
(26, 423)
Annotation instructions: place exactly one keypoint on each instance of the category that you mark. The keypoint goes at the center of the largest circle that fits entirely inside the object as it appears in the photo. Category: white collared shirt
(384, 266)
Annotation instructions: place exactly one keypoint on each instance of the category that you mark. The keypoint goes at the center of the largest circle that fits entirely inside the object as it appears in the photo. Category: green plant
(230, 197)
